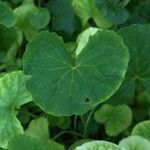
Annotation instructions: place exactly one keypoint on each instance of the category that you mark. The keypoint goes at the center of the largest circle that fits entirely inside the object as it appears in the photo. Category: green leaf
(61, 85)
(22, 22)
(103, 114)
(8, 37)
(25, 142)
(63, 19)
(143, 100)
(30, 19)
(113, 11)
(98, 145)
(52, 145)
(7, 17)
(83, 38)
(13, 94)
(116, 119)
(78, 143)
(39, 18)
(90, 11)
(142, 129)
(137, 38)
(135, 143)
(38, 129)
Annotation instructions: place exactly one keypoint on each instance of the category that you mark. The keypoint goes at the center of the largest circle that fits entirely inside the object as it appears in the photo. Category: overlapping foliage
(74, 74)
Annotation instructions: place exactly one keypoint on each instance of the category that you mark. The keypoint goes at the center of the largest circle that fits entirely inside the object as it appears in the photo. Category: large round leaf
(142, 129)
(98, 145)
(61, 85)
(137, 38)
(13, 94)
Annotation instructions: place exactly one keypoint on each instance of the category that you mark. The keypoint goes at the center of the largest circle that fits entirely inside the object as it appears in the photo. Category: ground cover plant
(75, 74)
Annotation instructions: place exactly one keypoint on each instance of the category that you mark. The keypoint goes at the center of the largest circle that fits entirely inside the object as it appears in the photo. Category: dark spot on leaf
(86, 100)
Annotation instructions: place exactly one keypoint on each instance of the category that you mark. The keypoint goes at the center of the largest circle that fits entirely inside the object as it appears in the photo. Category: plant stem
(66, 132)
(87, 123)
(75, 122)
(83, 122)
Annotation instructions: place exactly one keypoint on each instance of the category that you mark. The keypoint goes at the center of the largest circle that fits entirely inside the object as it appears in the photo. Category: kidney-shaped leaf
(116, 119)
(137, 38)
(13, 94)
(61, 85)
(98, 145)
(7, 17)
(135, 142)
(142, 129)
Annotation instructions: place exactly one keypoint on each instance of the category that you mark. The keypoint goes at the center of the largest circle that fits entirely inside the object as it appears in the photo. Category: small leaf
(90, 11)
(39, 19)
(142, 129)
(116, 119)
(113, 11)
(25, 142)
(30, 19)
(38, 129)
(135, 143)
(13, 94)
(7, 17)
(90, 76)
(103, 114)
(98, 145)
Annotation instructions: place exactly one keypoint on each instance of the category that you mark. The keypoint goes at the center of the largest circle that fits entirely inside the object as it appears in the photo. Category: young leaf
(7, 17)
(30, 19)
(98, 145)
(38, 129)
(25, 142)
(116, 119)
(103, 114)
(13, 94)
(61, 85)
(135, 143)
(90, 11)
(137, 38)
(142, 129)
